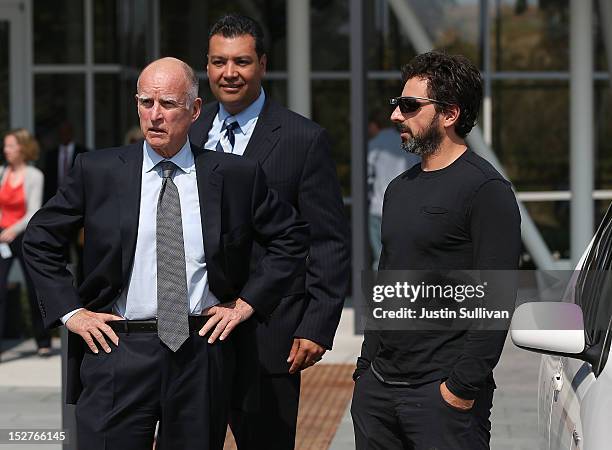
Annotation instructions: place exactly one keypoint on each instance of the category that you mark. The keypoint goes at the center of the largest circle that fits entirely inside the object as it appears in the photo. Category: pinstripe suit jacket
(294, 153)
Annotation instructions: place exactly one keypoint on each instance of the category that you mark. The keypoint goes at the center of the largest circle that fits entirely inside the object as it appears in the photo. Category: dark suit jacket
(50, 169)
(295, 155)
(102, 193)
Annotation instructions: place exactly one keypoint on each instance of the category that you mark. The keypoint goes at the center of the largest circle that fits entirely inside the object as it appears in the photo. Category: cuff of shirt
(460, 391)
(65, 317)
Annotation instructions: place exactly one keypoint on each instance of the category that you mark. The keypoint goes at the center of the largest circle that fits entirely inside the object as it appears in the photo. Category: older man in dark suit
(169, 230)
(295, 155)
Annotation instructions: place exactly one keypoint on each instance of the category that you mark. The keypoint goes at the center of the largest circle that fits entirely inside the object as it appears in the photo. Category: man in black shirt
(454, 211)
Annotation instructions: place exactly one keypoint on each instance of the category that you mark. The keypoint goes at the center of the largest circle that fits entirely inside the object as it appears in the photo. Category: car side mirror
(553, 328)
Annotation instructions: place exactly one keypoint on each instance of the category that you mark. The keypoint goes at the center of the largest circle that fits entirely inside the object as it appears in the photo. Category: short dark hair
(234, 25)
(451, 79)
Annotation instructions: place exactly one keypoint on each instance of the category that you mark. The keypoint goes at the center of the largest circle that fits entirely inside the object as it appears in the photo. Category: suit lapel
(129, 185)
(210, 188)
(205, 123)
(266, 133)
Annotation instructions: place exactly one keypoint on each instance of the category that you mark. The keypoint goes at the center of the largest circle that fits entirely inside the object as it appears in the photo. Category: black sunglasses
(411, 104)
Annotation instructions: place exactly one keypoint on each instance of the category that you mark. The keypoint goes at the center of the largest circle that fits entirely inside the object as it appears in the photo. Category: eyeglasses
(411, 104)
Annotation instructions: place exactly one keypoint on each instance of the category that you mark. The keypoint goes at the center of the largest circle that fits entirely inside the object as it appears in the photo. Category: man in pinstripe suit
(294, 153)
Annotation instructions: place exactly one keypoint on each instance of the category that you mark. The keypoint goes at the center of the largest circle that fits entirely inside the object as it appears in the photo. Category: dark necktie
(230, 129)
(172, 302)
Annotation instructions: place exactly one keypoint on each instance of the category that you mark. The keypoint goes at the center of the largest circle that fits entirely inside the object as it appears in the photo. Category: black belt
(150, 326)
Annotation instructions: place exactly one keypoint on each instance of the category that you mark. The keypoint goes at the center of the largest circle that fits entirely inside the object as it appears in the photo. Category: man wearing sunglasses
(454, 211)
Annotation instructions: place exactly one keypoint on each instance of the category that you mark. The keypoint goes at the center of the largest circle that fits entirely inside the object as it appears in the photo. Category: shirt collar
(247, 117)
(183, 159)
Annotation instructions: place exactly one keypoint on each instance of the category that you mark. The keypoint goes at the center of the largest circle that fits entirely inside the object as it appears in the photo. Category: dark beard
(427, 142)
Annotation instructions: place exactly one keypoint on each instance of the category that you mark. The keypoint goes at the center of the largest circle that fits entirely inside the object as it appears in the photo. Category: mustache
(403, 128)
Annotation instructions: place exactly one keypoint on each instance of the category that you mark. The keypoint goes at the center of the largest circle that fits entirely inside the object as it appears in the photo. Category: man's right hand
(90, 325)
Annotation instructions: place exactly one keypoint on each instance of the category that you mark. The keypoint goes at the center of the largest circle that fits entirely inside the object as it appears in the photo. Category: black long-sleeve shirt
(461, 217)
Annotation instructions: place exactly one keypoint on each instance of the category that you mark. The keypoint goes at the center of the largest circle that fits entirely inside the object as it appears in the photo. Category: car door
(549, 369)
(572, 383)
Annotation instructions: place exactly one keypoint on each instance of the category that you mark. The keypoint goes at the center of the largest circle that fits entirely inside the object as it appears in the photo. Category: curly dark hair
(234, 25)
(451, 79)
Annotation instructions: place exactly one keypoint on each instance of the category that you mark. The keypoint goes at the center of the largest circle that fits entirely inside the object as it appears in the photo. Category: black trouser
(41, 334)
(273, 427)
(141, 381)
(416, 418)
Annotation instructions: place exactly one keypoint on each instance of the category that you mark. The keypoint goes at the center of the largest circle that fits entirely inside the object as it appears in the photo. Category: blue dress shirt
(140, 300)
(247, 119)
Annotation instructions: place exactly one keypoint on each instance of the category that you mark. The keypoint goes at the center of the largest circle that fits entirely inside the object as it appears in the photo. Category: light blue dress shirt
(247, 119)
(139, 300)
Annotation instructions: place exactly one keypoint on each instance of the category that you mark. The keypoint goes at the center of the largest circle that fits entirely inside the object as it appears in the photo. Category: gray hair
(193, 83)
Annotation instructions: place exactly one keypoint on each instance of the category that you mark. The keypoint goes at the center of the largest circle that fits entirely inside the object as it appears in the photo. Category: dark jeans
(42, 335)
(416, 418)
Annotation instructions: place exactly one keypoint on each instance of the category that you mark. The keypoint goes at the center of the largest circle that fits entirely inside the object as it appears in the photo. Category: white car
(575, 383)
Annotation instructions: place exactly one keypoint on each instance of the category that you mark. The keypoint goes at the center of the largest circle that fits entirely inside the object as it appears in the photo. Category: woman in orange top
(20, 197)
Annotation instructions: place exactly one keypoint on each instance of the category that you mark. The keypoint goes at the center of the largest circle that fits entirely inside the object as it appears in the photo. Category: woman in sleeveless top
(20, 197)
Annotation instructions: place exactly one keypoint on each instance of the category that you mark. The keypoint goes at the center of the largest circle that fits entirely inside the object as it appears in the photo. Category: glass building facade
(82, 58)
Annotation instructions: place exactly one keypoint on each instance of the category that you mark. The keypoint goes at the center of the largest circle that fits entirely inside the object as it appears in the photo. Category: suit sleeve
(494, 213)
(45, 241)
(328, 264)
(285, 240)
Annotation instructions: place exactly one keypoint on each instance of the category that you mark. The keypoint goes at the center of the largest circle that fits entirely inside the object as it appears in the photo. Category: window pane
(106, 40)
(191, 43)
(601, 61)
(134, 35)
(531, 35)
(531, 133)
(277, 90)
(330, 109)
(58, 32)
(59, 98)
(451, 26)
(379, 92)
(5, 107)
(594, 286)
(115, 109)
(387, 46)
(108, 120)
(553, 222)
(329, 35)
(603, 137)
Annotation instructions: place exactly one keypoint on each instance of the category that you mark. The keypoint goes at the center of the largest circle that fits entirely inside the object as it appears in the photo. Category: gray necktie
(172, 303)
(230, 134)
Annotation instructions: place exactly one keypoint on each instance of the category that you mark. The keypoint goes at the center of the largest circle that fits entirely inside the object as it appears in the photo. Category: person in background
(386, 160)
(59, 160)
(133, 135)
(21, 187)
(295, 154)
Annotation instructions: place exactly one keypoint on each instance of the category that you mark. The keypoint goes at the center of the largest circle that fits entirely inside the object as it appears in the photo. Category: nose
(156, 112)
(397, 116)
(229, 71)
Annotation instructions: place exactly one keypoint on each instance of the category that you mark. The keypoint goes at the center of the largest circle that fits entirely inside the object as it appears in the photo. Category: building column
(298, 56)
(359, 236)
(581, 126)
